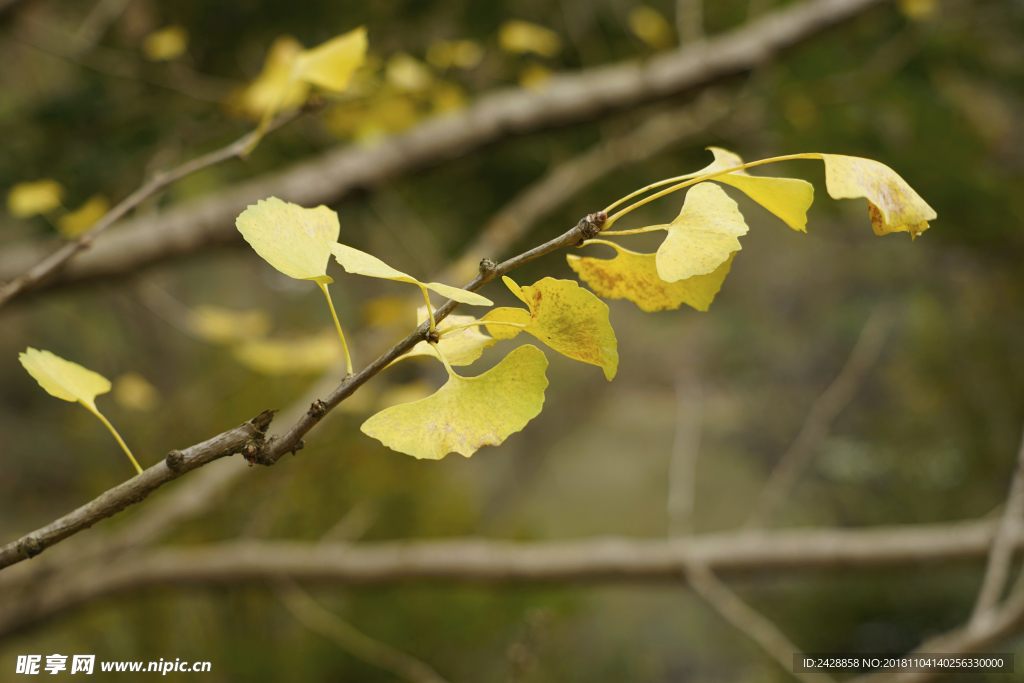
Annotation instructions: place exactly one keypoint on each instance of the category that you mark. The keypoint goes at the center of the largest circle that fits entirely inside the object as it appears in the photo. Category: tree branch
(487, 561)
(569, 98)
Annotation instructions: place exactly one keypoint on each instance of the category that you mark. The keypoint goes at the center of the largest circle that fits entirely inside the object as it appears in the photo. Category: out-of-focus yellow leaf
(463, 54)
(403, 393)
(787, 198)
(461, 347)
(634, 276)
(535, 77)
(81, 219)
(332, 64)
(297, 356)
(28, 199)
(295, 240)
(446, 96)
(918, 10)
(133, 392)
(71, 382)
(408, 74)
(387, 311)
(893, 205)
(521, 36)
(564, 316)
(467, 413)
(702, 236)
(226, 326)
(275, 89)
(361, 263)
(64, 379)
(649, 26)
(165, 44)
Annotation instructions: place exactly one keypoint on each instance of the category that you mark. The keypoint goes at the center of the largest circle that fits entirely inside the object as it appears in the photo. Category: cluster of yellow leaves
(28, 199)
(697, 253)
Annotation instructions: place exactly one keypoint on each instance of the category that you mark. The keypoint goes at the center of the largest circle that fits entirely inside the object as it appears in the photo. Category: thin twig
(748, 620)
(685, 447)
(997, 570)
(822, 414)
(55, 261)
(361, 646)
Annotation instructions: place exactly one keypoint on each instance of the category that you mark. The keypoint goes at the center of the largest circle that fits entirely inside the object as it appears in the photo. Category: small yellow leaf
(81, 219)
(276, 88)
(893, 205)
(461, 347)
(787, 198)
(446, 97)
(918, 10)
(133, 392)
(467, 413)
(387, 311)
(649, 26)
(332, 64)
(702, 236)
(634, 276)
(567, 318)
(517, 316)
(28, 199)
(220, 325)
(361, 263)
(521, 37)
(165, 44)
(64, 379)
(295, 240)
(535, 77)
(297, 356)
(408, 74)
(463, 54)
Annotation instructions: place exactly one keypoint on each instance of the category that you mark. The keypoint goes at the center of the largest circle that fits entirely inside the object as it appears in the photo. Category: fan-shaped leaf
(276, 88)
(295, 240)
(893, 205)
(702, 236)
(567, 318)
(467, 413)
(634, 276)
(461, 347)
(516, 316)
(361, 263)
(331, 65)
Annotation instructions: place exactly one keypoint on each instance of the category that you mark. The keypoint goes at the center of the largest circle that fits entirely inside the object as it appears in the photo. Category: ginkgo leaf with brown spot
(634, 276)
(467, 413)
(564, 316)
(702, 236)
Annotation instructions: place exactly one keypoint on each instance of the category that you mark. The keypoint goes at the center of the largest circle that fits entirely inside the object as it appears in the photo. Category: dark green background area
(931, 435)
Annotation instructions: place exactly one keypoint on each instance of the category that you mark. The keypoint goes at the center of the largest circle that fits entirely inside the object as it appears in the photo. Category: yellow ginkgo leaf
(463, 54)
(467, 413)
(361, 263)
(787, 198)
(634, 276)
(293, 239)
(71, 382)
(407, 73)
(521, 36)
(133, 392)
(297, 241)
(649, 26)
(535, 77)
(220, 325)
(702, 236)
(275, 89)
(567, 318)
(332, 64)
(461, 347)
(81, 219)
(165, 44)
(297, 356)
(28, 199)
(893, 205)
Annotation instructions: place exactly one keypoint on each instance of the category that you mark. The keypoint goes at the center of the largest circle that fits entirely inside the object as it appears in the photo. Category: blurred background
(97, 96)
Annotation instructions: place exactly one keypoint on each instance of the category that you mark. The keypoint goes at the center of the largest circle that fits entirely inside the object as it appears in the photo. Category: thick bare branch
(822, 414)
(569, 98)
(475, 560)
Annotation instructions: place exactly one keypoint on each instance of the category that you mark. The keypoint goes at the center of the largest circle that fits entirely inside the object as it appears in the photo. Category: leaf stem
(692, 181)
(635, 231)
(430, 308)
(341, 335)
(458, 328)
(117, 436)
(437, 350)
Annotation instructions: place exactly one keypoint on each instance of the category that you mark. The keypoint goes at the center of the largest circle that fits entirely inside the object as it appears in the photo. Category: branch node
(487, 267)
(263, 420)
(30, 546)
(251, 453)
(590, 226)
(299, 446)
(432, 336)
(317, 409)
(175, 459)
